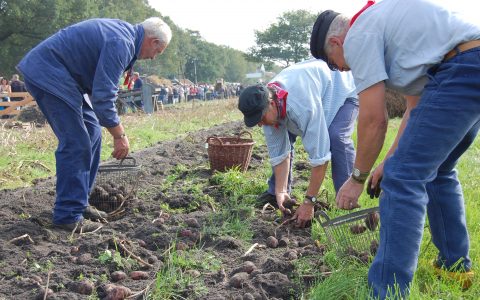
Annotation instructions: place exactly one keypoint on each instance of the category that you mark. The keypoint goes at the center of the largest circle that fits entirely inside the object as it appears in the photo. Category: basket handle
(243, 133)
(128, 158)
(215, 138)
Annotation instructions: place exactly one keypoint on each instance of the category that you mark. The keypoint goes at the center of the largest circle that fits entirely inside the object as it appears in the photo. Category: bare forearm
(117, 131)
(372, 126)
(316, 179)
(281, 175)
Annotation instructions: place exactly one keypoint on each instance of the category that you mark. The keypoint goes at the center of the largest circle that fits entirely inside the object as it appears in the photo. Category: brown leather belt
(461, 48)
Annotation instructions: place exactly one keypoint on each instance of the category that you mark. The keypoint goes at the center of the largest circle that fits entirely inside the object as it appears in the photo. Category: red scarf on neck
(281, 100)
(354, 18)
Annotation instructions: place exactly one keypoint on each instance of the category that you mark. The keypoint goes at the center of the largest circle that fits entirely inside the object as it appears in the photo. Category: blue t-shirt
(397, 41)
(85, 58)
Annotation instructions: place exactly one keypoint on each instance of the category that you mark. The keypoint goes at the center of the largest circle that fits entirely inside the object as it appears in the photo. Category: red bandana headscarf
(281, 100)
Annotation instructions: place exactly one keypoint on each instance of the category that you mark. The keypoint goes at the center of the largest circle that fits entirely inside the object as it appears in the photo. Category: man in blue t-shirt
(431, 55)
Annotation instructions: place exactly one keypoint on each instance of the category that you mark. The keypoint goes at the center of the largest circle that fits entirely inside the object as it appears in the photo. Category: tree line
(25, 23)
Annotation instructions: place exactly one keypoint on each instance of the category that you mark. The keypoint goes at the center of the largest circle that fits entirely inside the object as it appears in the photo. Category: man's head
(257, 105)
(15, 77)
(328, 35)
(136, 75)
(157, 37)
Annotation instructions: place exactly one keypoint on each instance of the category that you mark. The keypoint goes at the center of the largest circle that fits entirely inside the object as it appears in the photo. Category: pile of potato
(108, 196)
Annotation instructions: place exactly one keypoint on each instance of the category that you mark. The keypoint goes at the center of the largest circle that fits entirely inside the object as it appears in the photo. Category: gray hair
(339, 27)
(15, 77)
(157, 28)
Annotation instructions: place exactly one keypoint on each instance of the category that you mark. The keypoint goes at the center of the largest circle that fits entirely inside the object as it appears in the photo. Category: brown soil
(68, 266)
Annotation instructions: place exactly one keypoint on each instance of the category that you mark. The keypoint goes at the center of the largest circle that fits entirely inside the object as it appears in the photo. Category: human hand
(373, 184)
(282, 200)
(120, 147)
(304, 214)
(347, 197)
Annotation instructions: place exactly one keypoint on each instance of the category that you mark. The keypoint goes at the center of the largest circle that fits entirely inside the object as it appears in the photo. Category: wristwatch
(359, 176)
(312, 199)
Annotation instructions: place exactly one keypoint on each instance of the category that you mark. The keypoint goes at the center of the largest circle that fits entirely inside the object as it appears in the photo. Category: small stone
(74, 250)
(272, 242)
(142, 243)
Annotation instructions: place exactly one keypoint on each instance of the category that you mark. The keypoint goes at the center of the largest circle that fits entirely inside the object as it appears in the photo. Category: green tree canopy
(286, 41)
(25, 23)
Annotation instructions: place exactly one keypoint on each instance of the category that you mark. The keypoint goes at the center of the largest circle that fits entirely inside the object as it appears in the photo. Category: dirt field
(80, 266)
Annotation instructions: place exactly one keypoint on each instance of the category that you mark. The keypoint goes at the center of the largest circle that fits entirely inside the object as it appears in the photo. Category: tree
(286, 41)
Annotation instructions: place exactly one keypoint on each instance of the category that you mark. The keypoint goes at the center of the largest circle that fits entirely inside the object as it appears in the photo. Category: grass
(28, 154)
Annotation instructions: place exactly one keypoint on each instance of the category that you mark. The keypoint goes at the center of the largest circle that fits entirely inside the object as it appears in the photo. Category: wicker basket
(115, 186)
(228, 152)
(355, 234)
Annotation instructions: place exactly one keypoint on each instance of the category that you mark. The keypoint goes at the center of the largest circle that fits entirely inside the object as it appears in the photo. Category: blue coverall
(86, 58)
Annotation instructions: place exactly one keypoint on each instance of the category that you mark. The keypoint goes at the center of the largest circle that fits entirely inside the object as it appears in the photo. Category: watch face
(356, 172)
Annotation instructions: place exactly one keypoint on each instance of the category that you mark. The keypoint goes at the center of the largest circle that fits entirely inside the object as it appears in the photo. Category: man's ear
(334, 40)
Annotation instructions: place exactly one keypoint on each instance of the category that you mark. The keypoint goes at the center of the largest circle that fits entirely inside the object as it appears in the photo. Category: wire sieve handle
(324, 215)
(130, 158)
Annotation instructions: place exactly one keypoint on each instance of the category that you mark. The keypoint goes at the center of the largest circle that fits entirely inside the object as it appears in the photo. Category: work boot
(265, 198)
(92, 213)
(464, 278)
(81, 226)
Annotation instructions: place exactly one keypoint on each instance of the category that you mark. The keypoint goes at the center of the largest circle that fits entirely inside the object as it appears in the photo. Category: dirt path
(33, 255)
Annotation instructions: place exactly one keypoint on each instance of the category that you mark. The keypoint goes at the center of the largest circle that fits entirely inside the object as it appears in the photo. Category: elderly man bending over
(304, 100)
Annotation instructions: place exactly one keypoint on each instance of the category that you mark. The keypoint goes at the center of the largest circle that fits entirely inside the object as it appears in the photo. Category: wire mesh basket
(115, 186)
(228, 152)
(354, 234)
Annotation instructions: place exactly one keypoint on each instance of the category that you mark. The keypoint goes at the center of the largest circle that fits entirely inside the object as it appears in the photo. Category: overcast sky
(232, 22)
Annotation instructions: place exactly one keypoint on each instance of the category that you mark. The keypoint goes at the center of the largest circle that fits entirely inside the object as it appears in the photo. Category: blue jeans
(341, 146)
(77, 155)
(420, 178)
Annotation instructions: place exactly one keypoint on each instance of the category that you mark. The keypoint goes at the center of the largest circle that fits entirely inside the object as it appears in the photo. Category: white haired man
(83, 63)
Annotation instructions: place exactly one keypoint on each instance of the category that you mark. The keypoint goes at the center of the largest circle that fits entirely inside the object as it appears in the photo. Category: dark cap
(252, 103)
(319, 33)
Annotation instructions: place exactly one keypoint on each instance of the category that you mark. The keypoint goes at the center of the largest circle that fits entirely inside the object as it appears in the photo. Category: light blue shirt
(315, 94)
(397, 41)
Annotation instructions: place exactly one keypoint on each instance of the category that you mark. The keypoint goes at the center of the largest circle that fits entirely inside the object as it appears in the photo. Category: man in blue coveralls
(83, 63)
